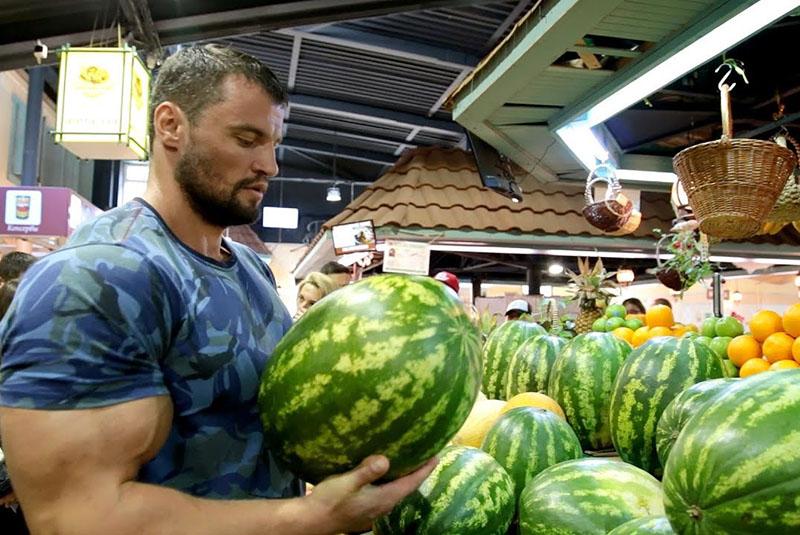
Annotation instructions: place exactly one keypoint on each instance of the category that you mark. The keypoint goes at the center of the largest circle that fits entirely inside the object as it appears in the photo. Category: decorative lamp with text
(103, 103)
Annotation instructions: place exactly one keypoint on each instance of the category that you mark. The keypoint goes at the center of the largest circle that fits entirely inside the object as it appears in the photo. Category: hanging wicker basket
(787, 207)
(613, 212)
(733, 184)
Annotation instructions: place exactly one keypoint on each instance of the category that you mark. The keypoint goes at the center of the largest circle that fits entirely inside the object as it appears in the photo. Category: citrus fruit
(534, 399)
(765, 323)
(752, 367)
(777, 346)
(784, 365)
(659, 316)
(640, 336)
(743, 348)
(791, 320)
(624, 333)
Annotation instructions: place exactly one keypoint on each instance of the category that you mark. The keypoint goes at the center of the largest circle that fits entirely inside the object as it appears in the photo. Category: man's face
(513, 315)
(230, 154)
(340, 279)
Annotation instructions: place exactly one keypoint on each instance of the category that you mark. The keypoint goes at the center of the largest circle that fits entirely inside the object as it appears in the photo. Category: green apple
(729, 326)
(634, 323)
(705, 340)
(709, 327)
(720, 345)
(616, 311)
(599, 325)
(729, 369)
(614, 323)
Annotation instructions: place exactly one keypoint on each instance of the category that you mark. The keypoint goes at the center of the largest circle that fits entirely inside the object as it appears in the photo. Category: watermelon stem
(695, 512)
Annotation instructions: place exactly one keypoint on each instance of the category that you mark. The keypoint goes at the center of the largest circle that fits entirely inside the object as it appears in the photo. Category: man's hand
(349, 502)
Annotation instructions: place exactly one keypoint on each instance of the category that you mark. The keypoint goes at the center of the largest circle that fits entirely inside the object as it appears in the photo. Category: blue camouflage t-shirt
(127, 311)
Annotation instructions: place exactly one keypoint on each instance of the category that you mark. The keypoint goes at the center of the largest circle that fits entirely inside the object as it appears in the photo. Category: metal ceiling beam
(374, 114)
(509, 20)
(349, 135)
(294, 62)
(446, 94)
(391, 46)
(346, 153)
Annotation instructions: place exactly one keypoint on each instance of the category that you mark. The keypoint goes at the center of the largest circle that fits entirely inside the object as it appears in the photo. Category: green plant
(688, 261)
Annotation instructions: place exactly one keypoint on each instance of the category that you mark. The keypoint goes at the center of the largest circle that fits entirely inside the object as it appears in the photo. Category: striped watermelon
(467, 493)
(684, 406)
(735, 467)
(388, 365)
(650, 525)
(651, 377)
(500, 347)
(587, 497)
(527, 440)
(529, 368)
(581, 381)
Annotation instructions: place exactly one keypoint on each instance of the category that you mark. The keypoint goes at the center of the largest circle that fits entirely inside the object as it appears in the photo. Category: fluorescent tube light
(721, 38)
(582, 142)
(657, 177)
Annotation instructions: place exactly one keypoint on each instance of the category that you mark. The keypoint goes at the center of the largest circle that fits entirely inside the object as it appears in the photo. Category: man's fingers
(400, 488)
(371, 469)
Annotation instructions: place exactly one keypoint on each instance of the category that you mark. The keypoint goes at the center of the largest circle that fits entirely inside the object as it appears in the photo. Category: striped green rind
(735, 467)
(587, 497)
(581, 381)
(527, 440)
(468, 493)
(529, 368)
(651, 525)
(498, 350)
(651, 377)
(680, 409)
(390, 365)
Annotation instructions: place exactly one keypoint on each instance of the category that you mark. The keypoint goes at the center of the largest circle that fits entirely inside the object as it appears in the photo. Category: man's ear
(170, 125)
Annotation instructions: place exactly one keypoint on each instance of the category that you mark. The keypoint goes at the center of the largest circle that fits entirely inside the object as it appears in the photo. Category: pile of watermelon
(586, 436)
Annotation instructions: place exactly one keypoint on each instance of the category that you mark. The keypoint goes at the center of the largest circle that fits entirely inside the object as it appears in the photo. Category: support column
(534, 276)
(476, 288)
(717, 294)
(33, 127)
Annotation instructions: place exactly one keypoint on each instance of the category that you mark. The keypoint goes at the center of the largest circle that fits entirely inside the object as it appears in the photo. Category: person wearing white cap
(517, 308)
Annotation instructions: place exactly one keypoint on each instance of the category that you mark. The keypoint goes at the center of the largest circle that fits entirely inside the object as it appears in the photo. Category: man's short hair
(193, 76)
(14, 264)
(334, 267)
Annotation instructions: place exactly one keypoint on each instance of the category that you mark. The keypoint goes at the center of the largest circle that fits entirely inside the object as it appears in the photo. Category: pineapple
(591, 287)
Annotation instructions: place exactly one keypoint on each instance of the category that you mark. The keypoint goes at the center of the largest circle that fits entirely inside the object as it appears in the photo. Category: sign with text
(411, 258)
(43, 211)
(353, 237)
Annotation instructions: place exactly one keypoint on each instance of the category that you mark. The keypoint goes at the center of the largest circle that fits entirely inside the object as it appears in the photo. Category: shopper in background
(517, 308)
(132, 356)
(662, 301)
(313, 288)
(340, 274)
(633, 306)
(449, 280)
(14, 264)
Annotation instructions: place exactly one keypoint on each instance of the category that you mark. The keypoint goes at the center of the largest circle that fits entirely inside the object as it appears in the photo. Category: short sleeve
(87, 328)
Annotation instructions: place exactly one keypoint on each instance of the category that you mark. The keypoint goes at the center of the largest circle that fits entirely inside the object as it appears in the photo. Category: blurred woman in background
(313, 288)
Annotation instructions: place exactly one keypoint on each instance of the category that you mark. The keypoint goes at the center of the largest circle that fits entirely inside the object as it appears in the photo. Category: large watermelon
(529, 368)
(500, 347)
(467, 493)
(735, 467)
(684, 406)
(587, 497)
(651, 377)
(581, 381)
(527, 440)
(388, 365)
(650, 525)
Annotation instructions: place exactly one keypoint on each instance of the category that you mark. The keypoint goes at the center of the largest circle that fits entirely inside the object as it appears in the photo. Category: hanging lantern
(625, 276)
(103, 103)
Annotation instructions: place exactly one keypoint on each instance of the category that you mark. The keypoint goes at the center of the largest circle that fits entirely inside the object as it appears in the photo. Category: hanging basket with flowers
(682, 259)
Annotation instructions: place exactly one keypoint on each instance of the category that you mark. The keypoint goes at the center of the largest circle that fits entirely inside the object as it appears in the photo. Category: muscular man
(132, 356)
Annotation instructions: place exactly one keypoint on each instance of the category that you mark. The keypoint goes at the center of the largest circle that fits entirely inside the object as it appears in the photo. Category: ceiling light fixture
(625, 276)
(334, 194)
(555, 269)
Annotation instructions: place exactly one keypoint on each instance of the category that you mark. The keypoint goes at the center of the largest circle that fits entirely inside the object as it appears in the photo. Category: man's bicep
(61, 461)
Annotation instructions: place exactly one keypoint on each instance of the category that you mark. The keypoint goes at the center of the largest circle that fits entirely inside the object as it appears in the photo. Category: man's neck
(173, 207)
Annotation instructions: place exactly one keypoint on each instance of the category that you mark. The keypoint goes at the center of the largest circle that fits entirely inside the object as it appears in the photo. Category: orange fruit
(784, 365)
(679, 330)
(659, 316)
(659, 331)
(791, 320)
(743, 348)
(765, 323)
(640, 317)
(534, 399)
(777, 346)
(624, 333)
(640, 336)
(752, 367)
(796, 350)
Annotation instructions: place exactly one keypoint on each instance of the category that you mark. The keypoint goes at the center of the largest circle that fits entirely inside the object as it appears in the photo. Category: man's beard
(216, 207)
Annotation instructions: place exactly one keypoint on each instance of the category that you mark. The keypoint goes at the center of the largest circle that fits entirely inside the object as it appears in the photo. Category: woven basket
(612, 213)
(733, 184)
(787, 207)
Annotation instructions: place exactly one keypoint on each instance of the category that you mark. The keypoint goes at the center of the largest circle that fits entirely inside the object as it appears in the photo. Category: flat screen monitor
(354, 237)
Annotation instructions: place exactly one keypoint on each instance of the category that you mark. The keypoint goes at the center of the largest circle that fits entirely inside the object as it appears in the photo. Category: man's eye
(244, 142)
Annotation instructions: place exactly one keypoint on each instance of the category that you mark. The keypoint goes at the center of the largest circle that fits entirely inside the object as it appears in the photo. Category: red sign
(29, 211)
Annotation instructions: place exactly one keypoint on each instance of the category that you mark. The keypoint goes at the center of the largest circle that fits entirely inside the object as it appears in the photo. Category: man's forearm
(142, 508)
